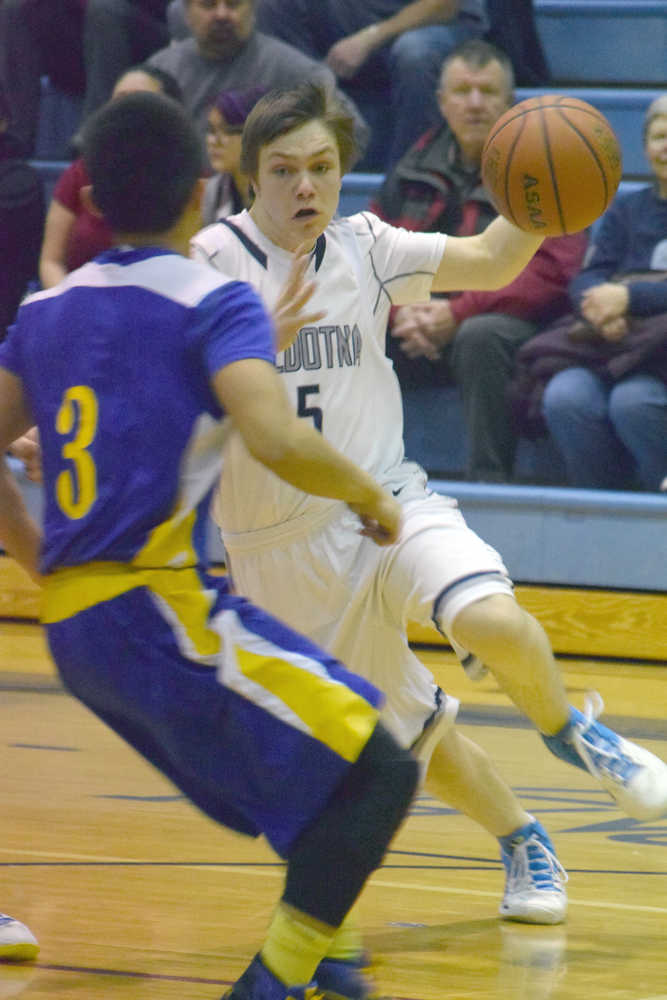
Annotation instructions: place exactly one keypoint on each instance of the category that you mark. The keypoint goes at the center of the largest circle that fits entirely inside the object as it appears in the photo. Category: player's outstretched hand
(288, 313)
(381, 518)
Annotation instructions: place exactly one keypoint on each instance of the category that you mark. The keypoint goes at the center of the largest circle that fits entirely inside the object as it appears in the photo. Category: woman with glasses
(228, 190)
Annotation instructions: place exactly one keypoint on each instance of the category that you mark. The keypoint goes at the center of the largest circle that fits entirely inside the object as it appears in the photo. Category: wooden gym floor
(134, 894)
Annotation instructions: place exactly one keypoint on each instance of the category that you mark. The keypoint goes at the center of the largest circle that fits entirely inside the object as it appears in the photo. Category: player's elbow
(273, 447)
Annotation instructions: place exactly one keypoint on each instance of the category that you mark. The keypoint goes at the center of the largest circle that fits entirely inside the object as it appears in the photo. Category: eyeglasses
(218, 133)
(212, 4)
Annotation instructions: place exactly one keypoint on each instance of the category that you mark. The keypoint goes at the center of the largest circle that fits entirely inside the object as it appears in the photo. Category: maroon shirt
(90, 234)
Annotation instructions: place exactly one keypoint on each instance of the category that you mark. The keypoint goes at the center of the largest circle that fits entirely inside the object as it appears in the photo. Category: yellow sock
(295, 945)
(347, 943)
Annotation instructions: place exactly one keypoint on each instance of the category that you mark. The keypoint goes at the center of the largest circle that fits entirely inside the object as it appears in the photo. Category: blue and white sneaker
(535, 879)
(17, 943)
(634, 777)
(339, 979)
(257, 983)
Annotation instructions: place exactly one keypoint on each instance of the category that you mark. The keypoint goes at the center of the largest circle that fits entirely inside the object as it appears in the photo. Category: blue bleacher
(621, 42)
(570, 537)
(611, 53)
(623, 107)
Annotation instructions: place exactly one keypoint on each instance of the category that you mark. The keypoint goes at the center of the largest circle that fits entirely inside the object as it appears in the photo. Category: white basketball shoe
(17, 943)
(534, 877)
(634, 777)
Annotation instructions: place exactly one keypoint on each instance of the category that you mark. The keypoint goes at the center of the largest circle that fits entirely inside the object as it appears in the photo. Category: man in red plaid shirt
(471, 337)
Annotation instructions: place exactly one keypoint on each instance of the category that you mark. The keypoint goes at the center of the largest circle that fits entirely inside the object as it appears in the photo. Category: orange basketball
(551, 165)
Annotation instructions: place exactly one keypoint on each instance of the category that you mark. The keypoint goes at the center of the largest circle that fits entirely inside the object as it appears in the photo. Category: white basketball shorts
(355, 599)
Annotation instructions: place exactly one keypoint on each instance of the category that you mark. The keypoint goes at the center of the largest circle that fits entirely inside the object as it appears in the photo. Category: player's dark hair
(478, 53)
(282, 111)
(144, 157)
(168, 83)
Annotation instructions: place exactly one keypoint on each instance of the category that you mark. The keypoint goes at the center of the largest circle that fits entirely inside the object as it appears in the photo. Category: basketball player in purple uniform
(132, 369)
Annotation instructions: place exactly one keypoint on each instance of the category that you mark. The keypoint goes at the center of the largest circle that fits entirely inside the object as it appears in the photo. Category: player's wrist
(368, 495)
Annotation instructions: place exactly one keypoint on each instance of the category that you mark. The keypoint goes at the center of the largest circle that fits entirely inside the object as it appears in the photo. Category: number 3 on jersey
(76, 486)
(303, 410)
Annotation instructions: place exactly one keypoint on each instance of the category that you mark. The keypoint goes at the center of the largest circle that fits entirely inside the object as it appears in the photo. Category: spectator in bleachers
(225, 51)
(228, 190)
(176, 19)
(387, 55)
(21, 221)
(74, 232)
(38, 38)
(118, 34)
(471, 337)
(513, 29)
(605, 403)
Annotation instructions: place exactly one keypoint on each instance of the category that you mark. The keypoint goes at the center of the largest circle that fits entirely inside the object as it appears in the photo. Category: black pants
(118, 34)
(38, 38)
(480, 361)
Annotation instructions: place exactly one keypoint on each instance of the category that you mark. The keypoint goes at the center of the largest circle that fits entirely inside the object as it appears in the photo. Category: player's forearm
(509, 248)
(19, 535)
(305, 459)
(485, 262)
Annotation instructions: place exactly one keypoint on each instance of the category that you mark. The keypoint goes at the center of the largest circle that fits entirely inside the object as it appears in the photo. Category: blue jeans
(608, 433)
(414, 61)
(395, 90)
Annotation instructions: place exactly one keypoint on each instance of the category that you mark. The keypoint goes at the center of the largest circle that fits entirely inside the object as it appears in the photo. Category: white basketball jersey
(336, 373)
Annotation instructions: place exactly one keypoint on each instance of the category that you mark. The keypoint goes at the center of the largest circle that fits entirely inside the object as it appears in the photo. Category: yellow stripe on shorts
(185, 602)
(331, 712)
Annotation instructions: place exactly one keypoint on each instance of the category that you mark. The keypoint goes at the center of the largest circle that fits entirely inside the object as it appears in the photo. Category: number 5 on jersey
(303, 410)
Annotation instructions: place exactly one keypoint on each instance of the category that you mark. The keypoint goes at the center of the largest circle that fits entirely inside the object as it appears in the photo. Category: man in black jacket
(118, 34)
(21, 221)
(38, 38)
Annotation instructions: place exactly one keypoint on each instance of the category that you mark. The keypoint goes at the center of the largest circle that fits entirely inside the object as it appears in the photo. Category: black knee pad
(330, 862)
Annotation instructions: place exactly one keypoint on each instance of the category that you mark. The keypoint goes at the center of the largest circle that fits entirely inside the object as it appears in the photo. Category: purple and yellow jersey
(116, 363)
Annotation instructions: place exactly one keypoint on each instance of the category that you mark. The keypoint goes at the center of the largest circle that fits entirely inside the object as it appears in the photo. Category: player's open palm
(289, 312)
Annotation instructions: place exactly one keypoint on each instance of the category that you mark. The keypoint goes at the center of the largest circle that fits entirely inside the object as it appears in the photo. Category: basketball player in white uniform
(305, 559)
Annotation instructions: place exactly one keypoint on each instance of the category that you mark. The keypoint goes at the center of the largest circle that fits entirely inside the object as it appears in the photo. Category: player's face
(656, 150)
(221, 26)
(297, 185)
(223, 143)
(472, 99)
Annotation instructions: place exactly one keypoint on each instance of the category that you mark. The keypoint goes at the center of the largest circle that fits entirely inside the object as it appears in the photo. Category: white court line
(63, 856)
(279, 873)
(450, 890)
